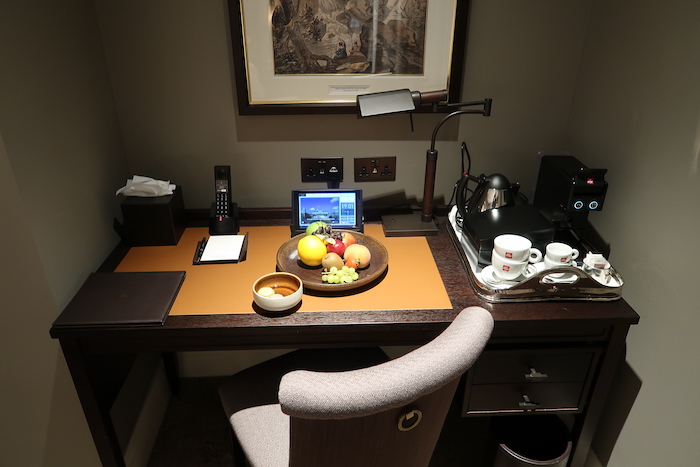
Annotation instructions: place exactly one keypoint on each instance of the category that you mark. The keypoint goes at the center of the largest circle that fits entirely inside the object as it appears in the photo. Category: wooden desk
(98, 359)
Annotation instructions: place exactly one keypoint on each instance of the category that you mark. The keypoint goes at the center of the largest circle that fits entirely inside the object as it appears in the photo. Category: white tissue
(146, 187)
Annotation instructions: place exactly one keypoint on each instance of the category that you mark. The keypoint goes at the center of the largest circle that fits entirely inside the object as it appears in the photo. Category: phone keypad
(222, 204)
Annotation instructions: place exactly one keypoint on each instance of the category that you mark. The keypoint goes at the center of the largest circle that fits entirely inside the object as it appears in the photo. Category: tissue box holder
(154, 221)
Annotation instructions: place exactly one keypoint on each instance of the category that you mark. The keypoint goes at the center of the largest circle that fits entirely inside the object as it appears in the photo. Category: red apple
(337, 247)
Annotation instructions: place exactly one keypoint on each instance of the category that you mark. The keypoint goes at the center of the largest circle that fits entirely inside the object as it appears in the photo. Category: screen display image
(335, 208)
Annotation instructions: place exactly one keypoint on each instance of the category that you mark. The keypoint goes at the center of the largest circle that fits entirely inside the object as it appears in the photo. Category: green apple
(314, 226)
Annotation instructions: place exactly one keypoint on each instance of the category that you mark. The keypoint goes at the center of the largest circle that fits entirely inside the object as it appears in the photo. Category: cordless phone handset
(223, 217)
(222, 188)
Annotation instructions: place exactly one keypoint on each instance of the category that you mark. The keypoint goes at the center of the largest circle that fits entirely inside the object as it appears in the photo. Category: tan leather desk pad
(412, 281)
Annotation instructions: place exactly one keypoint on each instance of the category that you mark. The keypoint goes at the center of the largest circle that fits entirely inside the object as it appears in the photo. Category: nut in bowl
(277, 291)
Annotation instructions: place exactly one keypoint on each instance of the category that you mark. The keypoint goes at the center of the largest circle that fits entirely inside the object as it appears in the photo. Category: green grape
(345, 275)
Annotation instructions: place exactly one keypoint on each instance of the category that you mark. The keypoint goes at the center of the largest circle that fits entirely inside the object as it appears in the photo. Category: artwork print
(348, 36)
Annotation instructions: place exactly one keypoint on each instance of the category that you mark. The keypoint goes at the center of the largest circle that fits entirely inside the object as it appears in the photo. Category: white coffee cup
(549, 264)
(561, 253)
(505, 268)
(516, 248)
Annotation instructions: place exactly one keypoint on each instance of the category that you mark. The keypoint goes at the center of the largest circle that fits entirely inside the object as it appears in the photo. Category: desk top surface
(412, 279)
(407, 325)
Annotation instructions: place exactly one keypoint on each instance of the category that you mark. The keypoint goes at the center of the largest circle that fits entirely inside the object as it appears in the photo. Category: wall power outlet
(326, 169)
(375, 169)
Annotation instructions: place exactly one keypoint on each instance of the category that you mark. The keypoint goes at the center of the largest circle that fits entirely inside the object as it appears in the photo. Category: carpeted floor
(194, 432)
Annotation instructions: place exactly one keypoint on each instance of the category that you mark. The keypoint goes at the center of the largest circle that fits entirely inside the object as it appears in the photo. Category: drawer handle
(527, 404)
(535, 375)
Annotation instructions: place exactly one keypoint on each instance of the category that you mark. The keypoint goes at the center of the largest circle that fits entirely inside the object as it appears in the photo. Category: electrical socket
(375, 169)
(327, 169)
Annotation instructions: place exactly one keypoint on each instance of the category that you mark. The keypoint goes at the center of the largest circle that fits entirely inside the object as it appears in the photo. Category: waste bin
(532, 440)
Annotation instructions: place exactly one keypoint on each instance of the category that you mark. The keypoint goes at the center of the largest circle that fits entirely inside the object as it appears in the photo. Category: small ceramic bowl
(277, 291)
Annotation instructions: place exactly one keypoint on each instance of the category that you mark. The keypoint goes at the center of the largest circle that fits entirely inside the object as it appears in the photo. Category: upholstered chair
(351, 407)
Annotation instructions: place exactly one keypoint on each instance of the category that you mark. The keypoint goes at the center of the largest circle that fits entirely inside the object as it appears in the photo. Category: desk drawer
(543, 366)
(527, 397)
(530, 380)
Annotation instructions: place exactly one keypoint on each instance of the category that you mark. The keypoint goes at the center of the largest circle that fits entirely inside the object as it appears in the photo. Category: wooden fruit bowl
(288, 261)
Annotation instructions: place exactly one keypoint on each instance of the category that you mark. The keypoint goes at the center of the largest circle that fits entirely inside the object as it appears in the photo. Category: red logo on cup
(509, 255)
(563, 260)
(505, 268)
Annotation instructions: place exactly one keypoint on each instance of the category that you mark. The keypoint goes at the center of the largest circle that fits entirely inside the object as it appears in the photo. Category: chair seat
(250, 398)
(263, 432)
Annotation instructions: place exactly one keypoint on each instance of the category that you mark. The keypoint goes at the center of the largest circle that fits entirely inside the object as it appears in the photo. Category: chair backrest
(385, 415)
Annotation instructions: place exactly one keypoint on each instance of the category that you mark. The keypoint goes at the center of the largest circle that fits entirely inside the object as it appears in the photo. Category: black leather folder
(123, 298)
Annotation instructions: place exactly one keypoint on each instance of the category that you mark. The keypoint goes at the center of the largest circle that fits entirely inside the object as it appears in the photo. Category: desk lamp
(404, 100)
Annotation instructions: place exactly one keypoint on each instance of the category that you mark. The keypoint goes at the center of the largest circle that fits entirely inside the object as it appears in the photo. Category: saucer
(489, 277)
(559, 277)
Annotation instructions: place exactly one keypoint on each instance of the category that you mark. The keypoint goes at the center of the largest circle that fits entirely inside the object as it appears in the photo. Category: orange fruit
(311, 250)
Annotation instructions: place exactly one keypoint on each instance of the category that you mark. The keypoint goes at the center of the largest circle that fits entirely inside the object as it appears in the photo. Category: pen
(199, 250)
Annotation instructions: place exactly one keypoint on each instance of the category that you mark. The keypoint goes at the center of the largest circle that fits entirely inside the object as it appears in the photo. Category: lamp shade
(382, 103)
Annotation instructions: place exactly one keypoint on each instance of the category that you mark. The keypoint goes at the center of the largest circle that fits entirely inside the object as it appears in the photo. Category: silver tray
(540, 285)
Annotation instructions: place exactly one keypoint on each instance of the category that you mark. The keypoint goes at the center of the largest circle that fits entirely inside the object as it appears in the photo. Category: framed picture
(316, 56)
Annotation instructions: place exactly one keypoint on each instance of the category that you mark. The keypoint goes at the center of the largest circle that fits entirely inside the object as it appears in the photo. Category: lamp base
(408, 225)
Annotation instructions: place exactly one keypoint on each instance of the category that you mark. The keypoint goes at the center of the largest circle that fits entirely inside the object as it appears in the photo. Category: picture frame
(283, 64)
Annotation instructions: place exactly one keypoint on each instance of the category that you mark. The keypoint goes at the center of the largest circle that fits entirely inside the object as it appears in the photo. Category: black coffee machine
(566, 192)
(496, 208)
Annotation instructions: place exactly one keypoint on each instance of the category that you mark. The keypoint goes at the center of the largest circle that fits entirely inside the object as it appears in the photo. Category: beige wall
(170, 68)
(637, 112)
(61, 132)
(60, 158)
(40, 409)
(68, 146)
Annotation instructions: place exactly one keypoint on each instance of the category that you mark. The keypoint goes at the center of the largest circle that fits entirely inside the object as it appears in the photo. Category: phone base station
(224, 225)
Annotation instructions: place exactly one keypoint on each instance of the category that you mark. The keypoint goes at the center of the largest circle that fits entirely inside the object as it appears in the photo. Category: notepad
(221, 249)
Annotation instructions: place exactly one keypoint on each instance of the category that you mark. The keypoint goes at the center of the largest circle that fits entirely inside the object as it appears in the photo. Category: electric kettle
(492, 192)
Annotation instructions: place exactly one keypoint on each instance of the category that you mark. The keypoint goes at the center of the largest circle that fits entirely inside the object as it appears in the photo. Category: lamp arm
(432, 154)
(430, 97)
(486, 112)
(486, 103)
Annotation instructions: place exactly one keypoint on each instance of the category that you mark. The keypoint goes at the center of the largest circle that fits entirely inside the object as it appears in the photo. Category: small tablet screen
(341, 209)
